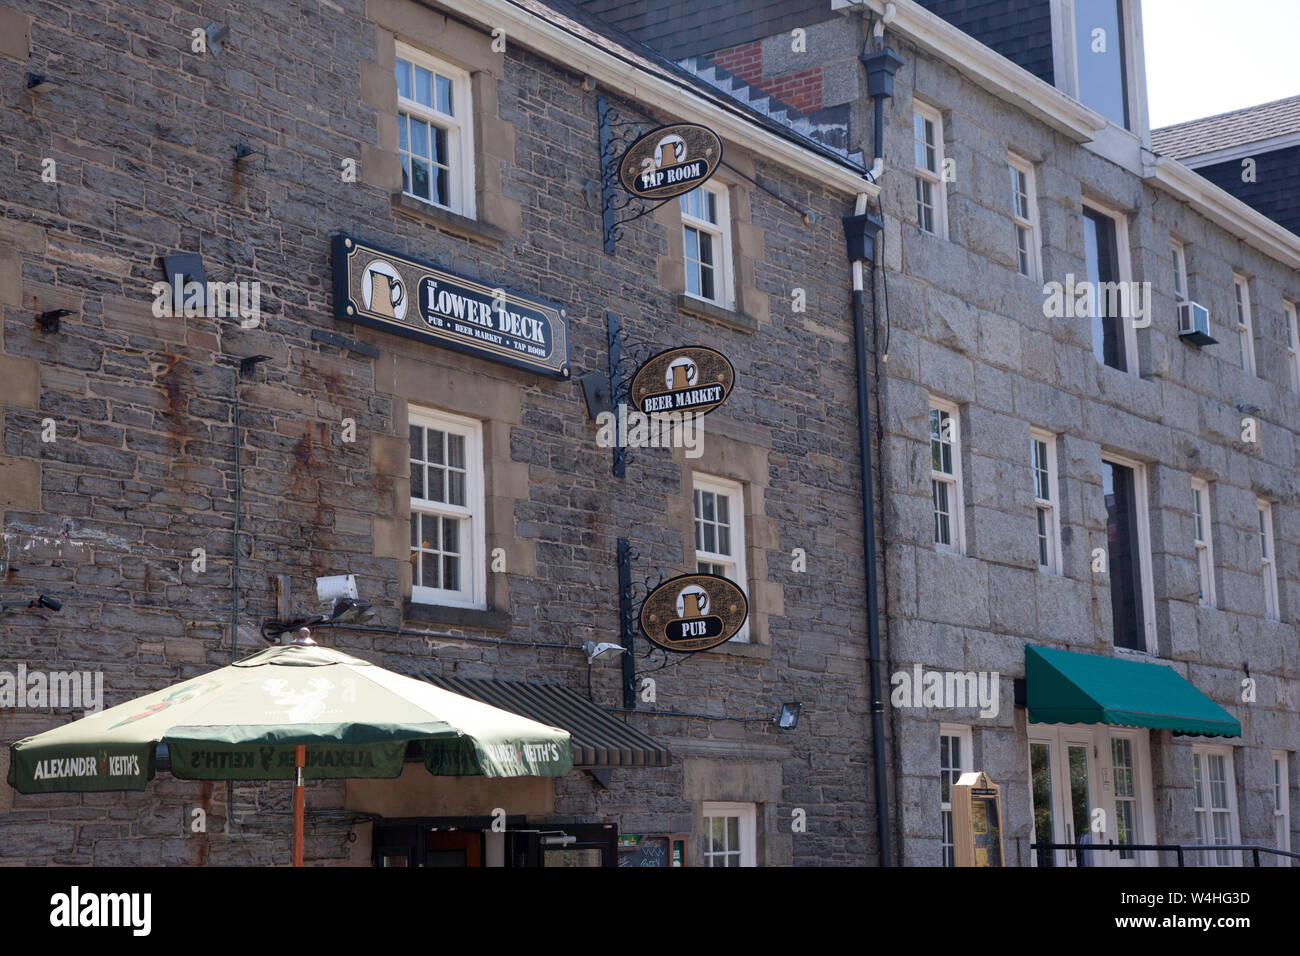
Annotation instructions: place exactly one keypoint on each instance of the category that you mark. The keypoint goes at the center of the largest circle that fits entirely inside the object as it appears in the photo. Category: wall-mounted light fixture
(49, 321)
(41, 600)
(788, 718)
(243, 151)
(596, 651)
(215, 35)
(39, 82)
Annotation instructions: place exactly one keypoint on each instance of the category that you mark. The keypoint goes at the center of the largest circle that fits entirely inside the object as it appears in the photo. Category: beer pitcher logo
(682, 373)
(676, 145)
(692, 602)
(383, 291)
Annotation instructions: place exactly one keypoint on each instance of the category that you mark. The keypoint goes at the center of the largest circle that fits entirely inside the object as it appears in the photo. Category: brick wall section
(142, 470)
(801, 89)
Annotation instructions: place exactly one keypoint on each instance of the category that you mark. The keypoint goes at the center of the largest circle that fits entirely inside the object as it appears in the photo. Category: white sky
(1202, 60)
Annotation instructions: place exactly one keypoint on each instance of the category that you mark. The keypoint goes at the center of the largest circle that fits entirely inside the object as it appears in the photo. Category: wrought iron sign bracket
(616, 135)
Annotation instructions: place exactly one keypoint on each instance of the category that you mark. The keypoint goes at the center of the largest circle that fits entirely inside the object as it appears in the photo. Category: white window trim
(723, 268)
(473, 557)
(934, 176)
(1204, 547)
(462, 123)
(1268, 560)
(1124, 264)
(956, 494)
(1282, 815)
(735, 492)
(1140, 493)
(1199, 753)
(1065, 67)
(1101, 784)
(1244, 323)
(1292, 344)
(1029, 225)
(1179, 249)
(962, 733)
(748, 814)
(1055, 562)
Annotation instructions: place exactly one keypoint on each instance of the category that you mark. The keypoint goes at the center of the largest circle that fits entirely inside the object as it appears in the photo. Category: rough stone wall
(967, 328)
(141, 471)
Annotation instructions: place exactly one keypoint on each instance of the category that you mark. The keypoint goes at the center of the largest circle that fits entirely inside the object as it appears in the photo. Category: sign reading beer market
(384, 290)
(670, 161)
(693, 612)
(690, 380)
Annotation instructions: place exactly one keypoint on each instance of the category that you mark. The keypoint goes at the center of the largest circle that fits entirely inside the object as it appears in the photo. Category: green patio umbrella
(288, 712)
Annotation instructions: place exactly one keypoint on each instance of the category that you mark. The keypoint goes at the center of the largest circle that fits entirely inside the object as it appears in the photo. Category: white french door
(1090, 781)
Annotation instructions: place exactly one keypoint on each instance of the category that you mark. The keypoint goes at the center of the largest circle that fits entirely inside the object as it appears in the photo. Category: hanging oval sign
(693, 612)
(670, 161)
(691, 380)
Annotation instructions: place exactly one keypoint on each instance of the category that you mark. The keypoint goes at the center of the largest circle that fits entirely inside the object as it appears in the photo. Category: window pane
(437, 484)
(456, 488)
(417, 480)
(712, 204)
(1101, 258)
(1099, 53)
(419, 178)
(423, 86)
(456, 450)
(692, 243)
(1040, 770)
(1118, 486)
(724, 539)
(706, 249)
(403, 142)
(403, 72)
(724, 505)
(444, 95)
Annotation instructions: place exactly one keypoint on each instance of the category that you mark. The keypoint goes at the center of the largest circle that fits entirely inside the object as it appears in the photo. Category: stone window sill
(758, 652)
(449, 221)
(456, 616)
(706, 310)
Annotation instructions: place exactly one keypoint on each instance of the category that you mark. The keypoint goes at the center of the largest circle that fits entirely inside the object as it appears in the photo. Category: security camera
(332, 588)
(48, 602)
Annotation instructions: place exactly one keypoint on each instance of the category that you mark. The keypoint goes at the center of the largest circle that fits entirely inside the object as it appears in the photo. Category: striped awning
(599, 738)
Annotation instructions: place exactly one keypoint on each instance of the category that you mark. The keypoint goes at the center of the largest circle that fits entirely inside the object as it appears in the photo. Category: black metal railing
(1180, 850)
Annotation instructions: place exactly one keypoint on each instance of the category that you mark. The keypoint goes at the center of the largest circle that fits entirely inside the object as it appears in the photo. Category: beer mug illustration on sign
(682, 373)
(384, 290)
(692, 602)
(678, 146)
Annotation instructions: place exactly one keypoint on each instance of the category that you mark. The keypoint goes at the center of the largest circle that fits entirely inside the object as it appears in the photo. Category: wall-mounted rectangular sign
(379, 288)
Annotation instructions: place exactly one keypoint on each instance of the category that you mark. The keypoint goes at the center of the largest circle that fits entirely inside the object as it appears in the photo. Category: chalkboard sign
(648, 851)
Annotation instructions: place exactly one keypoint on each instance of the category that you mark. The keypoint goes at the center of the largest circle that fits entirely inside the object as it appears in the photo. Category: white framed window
(730, 834)
(931, 190)
(1024, 213)
(1180, 271)
(1282, 806)
(447, 510)
(955, 758)
(1128, 541)
(1108, 269)
(1245, 328)
(1042, 463)
(1292, 344)
(435, 131)
(1203, 541)
(706, 244)
(1098, 58)
(1214, 801)
(1268, 560)
(945, 477)
(720, 533)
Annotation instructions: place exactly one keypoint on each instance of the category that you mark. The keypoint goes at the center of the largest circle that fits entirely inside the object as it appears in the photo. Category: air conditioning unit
(1194, 324)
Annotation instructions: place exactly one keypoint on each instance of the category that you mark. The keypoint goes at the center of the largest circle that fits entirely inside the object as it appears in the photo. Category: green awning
(599, 739)
(1062, 687)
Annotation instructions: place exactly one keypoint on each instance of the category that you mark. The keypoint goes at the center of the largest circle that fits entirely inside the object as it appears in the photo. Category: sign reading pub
(670, 161)
(691, 380)
(375, 287)
(693, 612)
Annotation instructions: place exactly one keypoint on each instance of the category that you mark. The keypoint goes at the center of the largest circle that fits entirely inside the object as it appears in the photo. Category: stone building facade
(1202, 440)
(118, 480)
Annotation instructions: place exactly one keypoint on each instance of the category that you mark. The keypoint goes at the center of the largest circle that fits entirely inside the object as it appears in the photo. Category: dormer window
(1097, 57)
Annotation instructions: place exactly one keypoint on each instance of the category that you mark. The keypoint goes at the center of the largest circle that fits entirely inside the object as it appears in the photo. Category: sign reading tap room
(670, 161)
(382, 289)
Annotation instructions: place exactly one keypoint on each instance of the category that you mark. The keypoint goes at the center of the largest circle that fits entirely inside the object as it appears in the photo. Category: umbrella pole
(299, 801)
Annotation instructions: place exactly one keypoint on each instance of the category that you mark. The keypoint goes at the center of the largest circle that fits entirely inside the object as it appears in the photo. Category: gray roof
(771, 115)
(1238, 128)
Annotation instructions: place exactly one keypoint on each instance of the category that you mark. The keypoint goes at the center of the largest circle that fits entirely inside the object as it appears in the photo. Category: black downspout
(860, 232)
